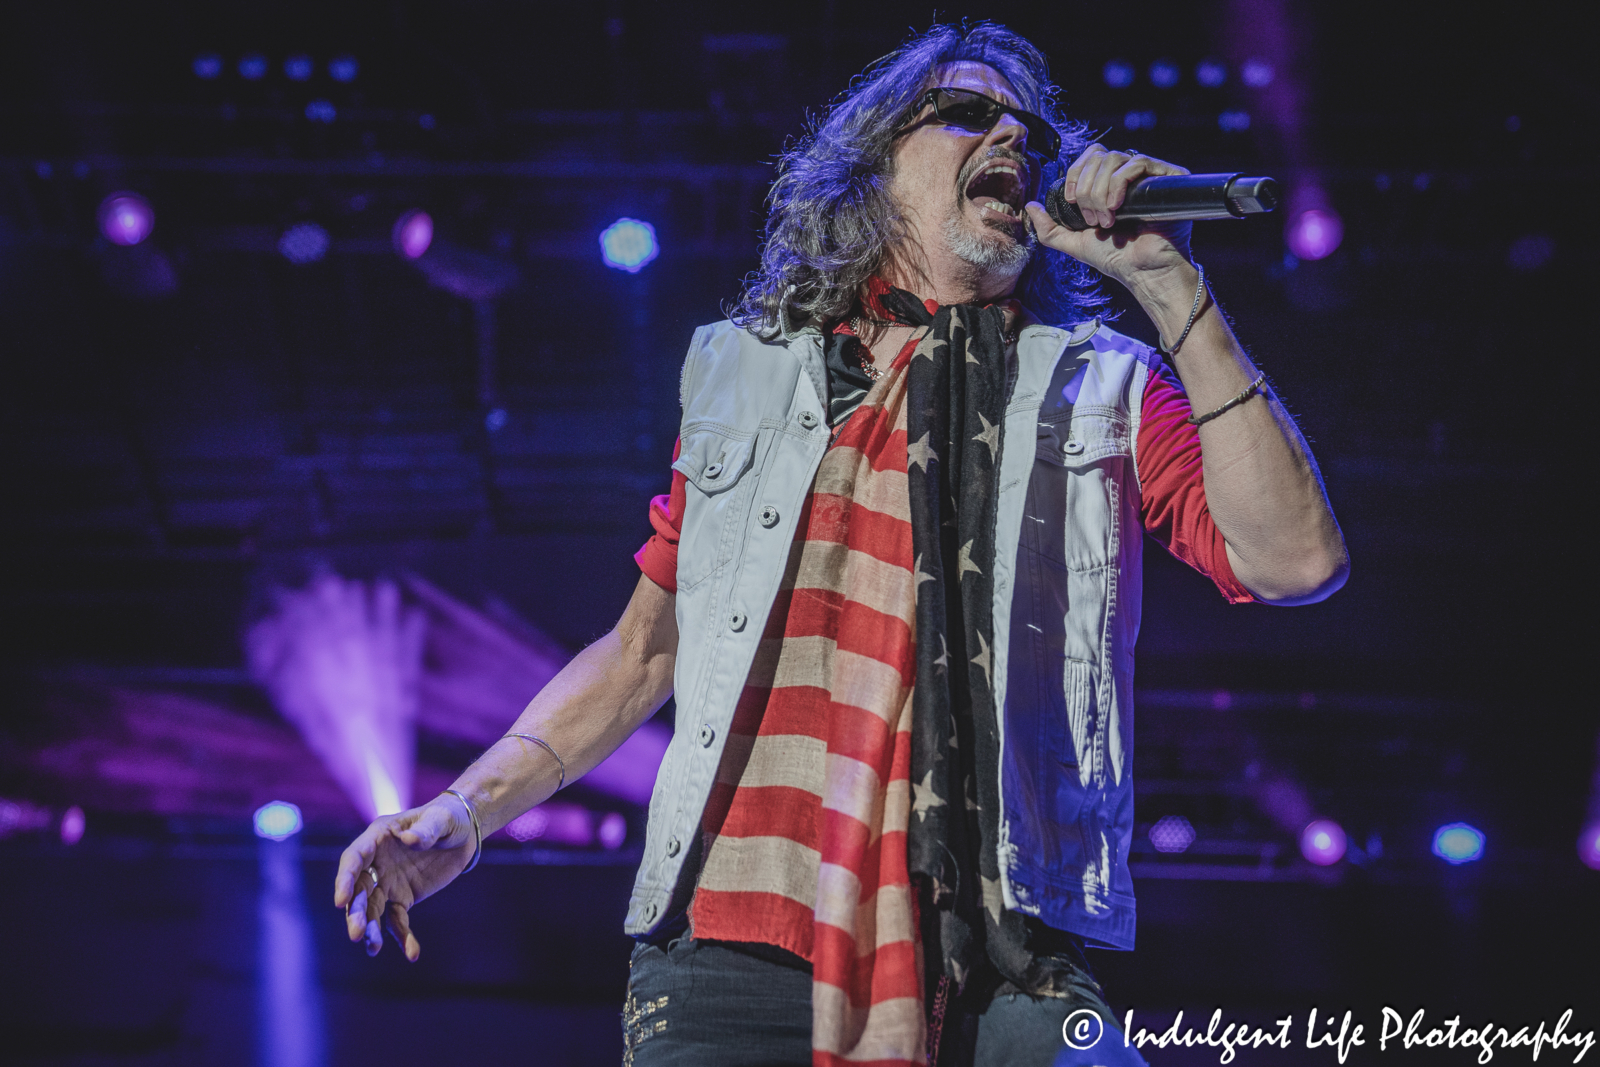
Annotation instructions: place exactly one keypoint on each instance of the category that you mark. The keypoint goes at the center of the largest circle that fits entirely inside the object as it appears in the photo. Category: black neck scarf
(972, 946)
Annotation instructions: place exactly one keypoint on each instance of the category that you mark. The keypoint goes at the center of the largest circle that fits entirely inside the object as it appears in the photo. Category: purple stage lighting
(1315, 233)
(126, 218)
(278, 820)
(1233, 121)
(613, 830)
(1257, 73)
(413, 233)
(1323, 842)
(1172, 833)
(207, 66)
(321, 111)
(629, 244)
(73, 824)
(1457, 843)
(298, 68)
(1118, 73)
(343, 68)
(1589, 846)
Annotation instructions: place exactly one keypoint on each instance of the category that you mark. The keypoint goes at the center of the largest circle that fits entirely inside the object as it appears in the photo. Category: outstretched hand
(1131, 252)
(397, 862)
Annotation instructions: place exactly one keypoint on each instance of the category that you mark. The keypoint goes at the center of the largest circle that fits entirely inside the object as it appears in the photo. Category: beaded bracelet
(1194, 313)
(1249, 391)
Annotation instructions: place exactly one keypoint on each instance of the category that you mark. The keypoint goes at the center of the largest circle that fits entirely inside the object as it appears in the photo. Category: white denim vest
(1066, 602)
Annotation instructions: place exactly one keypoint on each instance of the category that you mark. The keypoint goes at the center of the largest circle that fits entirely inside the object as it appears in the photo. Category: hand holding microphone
(1103, 187)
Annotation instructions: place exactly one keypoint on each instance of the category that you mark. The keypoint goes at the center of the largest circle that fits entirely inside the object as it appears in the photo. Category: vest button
(769, 516)
(672, 846)
(1072, 448)
(737, 620)
(713, 470)
(706, 736)
(650, 911)
(808, 419)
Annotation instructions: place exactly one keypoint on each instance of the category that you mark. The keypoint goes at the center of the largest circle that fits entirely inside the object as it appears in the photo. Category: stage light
(613, 830)
(126, 218)
(629, 244)
(1139, 120)
(321, 111)
(278, 820)
(1257, 73)
(1233, 121)
(73, 825)
(1172, 833)
(298, 68)
(1457, 843)
(343, 68)
(207, 65)
(1315, 233)
(1118, 73)
(528, 826)
(1589, 846)
(1323, 842)
(1164, 74)
(1530, 252)
(413, 233)
(1210, 73)
(304, 242)
(253, 67)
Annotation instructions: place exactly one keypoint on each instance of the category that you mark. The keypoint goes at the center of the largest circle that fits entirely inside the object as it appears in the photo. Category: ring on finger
(372, 872)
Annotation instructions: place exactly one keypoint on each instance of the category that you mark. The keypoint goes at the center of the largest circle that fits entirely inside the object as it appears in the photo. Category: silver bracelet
(542, 743)
(477, 827)
(1194, 313)
(1249, 391)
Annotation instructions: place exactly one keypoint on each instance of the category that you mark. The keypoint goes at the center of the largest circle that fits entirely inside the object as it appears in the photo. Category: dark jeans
(709, 1004)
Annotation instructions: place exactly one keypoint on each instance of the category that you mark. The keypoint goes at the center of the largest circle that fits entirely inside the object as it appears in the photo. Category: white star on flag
(990, 435)
(919, 453)
(982, 658)
(924, 799)
(964, 561)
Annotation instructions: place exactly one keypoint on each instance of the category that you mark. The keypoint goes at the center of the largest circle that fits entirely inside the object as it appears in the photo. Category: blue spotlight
(207, 66)
(1457, 843)
(278, 820)
(253, 67)
(321, 111)
(1233, 121)
(1323, 842)
(1589, 846)
(343, 68)
(1118, 73)
(298, 68)
(1210, 73)
(1164, 74)
(629, 244)
(304, 242)
(1257, 73)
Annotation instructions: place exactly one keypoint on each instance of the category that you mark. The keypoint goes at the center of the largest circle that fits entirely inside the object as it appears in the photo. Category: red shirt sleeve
(658, 558)
(1172, 480)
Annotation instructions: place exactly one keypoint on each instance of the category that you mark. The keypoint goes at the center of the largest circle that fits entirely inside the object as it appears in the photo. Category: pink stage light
(1315, 233)
(126, 218)
(1589, 846)
(554, 823)
(73, 824)
(1323, 842)
(413, 233)
(613, 830)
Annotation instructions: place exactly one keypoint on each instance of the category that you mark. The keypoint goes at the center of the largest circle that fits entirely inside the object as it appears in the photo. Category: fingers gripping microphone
(1172, 197)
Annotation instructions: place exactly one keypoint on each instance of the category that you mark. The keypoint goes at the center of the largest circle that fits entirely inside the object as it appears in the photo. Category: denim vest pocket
(716, 460)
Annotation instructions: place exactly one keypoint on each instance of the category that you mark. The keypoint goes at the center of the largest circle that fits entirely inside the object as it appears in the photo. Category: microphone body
(1168, 197)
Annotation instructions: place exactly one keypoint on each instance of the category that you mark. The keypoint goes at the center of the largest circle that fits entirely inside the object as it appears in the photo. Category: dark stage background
(265, 431)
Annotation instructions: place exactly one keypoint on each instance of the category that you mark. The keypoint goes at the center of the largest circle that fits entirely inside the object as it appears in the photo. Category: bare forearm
(584, 713)
(1262, 484)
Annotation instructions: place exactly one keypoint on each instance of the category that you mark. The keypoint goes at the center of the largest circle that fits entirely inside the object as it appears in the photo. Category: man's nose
(1009, 131)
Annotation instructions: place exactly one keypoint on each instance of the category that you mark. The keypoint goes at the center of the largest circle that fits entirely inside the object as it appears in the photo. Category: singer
(894, 588)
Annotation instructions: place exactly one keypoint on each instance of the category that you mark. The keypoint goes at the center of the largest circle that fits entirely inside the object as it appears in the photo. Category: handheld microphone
(1168, 197)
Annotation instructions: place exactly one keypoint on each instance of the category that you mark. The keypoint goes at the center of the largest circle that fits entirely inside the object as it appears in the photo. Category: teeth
(1004, 209)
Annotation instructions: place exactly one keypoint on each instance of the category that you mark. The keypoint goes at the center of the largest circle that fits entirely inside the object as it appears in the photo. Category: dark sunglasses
(974, 111)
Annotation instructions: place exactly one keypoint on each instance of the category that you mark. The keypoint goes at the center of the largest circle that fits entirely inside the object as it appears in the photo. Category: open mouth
(999, 190)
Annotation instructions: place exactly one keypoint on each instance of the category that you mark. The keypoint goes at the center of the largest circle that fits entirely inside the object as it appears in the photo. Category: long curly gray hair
(831, 220)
